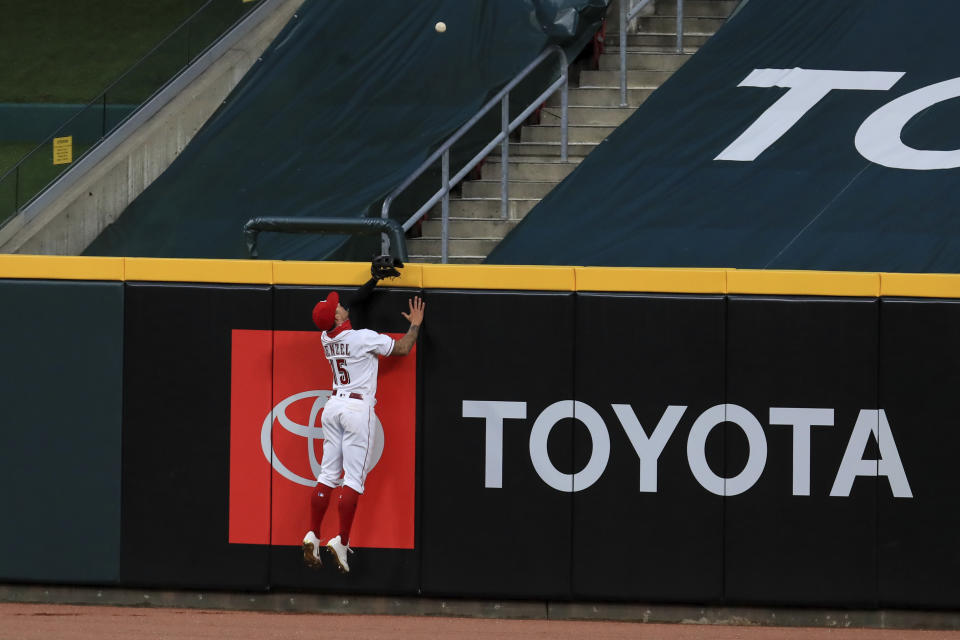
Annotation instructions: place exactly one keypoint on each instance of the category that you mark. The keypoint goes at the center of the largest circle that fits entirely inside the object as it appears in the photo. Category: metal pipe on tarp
(395, 243)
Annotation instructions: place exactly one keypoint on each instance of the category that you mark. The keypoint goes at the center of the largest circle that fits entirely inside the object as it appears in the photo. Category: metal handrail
(394, 242)
(625, 17)
(506, 127)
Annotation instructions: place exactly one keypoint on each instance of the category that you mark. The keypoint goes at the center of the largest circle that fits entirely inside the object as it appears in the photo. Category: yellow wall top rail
(490, 277)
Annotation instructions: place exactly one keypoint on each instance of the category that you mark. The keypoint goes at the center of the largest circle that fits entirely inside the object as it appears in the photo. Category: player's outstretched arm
(403, 346)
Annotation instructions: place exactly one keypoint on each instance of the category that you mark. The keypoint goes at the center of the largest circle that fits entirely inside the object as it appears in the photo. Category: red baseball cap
(323, 312)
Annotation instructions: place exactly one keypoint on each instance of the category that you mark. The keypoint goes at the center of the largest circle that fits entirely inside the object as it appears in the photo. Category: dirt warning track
(72, 622)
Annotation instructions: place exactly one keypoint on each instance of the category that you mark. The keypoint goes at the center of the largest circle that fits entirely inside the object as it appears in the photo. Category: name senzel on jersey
(335, 349)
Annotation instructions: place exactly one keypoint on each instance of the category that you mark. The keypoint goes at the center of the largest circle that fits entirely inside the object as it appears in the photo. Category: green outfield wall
(60, 458)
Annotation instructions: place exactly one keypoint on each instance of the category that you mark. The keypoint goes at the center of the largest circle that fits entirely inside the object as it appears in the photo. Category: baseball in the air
(440, 27)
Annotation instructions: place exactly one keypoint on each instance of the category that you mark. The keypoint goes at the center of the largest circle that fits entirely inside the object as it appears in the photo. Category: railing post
(564, 117)
(623, 52)
(385, 213)
(445, 208)
(679, 26)
(441, 195)
(505, 157)
(385, 243)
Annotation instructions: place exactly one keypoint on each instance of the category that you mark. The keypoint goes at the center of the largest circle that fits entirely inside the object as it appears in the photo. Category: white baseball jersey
(352, 354)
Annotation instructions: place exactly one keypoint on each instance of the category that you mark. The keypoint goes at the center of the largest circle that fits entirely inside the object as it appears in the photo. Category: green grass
(36, 172)
(71, 50)
(11, 152)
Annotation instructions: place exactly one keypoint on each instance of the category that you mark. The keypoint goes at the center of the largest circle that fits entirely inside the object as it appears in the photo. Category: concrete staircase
(476, 225)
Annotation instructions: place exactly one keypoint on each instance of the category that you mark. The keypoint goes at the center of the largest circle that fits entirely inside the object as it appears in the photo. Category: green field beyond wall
(60, 54)
(64, 51)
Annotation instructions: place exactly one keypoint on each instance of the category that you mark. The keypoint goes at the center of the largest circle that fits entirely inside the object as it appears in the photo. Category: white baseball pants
(348, 430)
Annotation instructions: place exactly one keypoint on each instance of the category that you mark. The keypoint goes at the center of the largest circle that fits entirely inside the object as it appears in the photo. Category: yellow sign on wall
(63, 150)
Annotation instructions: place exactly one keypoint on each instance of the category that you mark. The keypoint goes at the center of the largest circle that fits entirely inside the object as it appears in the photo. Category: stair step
(662, 23)
(489, 208)
(516, 188)
(535, 159)
(648, 61)
(601, 97)
(635, 79)
(424, 259)
(575, 134)
(527, 170)
(456, 247)
(609, 116)
(550, 149)
(614, 49)
(663, 40)
(470, 228)
(475, 223)
(702, 8)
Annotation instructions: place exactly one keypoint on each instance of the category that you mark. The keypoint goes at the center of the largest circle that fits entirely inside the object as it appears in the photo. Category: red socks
(348, 507)
(319, 501)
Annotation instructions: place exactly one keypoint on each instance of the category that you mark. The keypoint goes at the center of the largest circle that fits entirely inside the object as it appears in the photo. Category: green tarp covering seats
(348, 100)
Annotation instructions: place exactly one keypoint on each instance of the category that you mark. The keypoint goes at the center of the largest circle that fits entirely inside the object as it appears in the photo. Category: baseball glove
(385, 267)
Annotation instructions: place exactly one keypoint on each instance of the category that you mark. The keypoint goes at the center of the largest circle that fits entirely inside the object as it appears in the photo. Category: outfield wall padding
(176, 440)
(495, 347)
(779, 547)
(919, 376)
(60, 453)
(546, 445)
(650, 353)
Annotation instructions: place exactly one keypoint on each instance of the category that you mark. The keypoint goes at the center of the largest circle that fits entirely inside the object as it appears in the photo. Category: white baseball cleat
(311, 550)
(339, 551)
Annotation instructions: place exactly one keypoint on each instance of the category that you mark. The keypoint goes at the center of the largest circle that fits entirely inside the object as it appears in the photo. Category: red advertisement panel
(277, 443)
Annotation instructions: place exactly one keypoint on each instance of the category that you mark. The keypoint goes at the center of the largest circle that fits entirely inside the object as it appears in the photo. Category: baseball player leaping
(348, 416)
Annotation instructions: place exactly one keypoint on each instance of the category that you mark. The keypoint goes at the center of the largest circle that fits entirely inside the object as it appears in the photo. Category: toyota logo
(311, 431)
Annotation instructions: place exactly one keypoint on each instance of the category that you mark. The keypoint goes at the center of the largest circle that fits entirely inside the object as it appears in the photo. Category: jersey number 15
(339, 367)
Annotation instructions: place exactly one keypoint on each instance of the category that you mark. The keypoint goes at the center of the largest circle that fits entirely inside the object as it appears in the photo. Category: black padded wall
(651, 363)
(787, 540)
(176, 439)
(491, 525)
